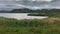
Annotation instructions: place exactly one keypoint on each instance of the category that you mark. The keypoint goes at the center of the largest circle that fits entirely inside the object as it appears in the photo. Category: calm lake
(20, 16)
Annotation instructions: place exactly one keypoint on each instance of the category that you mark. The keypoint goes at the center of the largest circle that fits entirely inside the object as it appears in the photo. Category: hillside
(25, 10)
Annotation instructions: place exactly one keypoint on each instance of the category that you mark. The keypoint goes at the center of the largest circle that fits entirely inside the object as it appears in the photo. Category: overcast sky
(31, 4)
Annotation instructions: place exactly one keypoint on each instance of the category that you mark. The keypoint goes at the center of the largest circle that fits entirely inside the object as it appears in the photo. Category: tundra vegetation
(30, 26)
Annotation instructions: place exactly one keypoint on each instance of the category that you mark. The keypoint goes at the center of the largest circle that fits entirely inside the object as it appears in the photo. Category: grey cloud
(15, 4)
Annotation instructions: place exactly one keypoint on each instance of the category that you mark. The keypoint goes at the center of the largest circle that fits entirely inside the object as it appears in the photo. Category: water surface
(20, 16)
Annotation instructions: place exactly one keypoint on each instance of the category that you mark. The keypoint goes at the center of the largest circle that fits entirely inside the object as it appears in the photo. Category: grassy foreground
(35, 26)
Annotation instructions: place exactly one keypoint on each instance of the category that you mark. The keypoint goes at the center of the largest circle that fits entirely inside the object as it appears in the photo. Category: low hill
(25, 10)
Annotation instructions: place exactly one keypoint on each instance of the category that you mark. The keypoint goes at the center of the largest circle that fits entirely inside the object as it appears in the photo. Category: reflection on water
(20, 16)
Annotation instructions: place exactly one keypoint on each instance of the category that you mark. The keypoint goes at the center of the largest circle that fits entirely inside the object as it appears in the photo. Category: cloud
(16, 4)
(45, 0)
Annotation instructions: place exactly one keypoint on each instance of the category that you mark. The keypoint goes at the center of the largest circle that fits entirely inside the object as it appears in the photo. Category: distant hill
(25, 10)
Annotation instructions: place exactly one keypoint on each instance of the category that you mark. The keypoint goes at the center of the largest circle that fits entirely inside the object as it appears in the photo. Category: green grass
(35, 26)
(55, 15)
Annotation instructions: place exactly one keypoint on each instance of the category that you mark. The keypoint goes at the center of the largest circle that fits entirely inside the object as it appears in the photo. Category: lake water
(20, 16)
